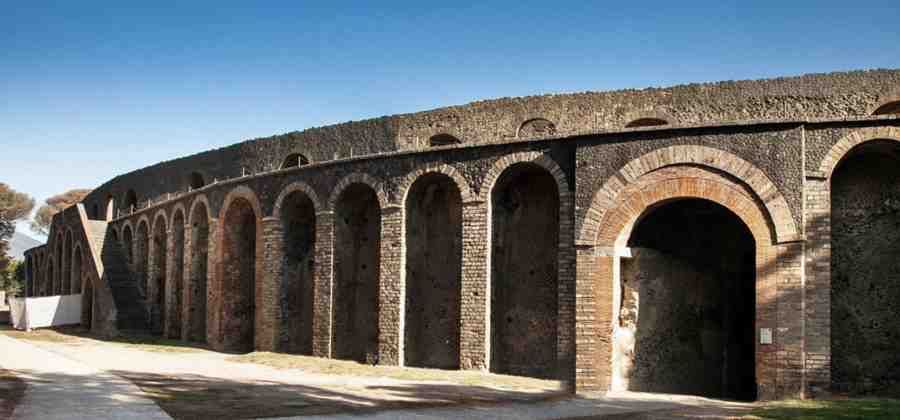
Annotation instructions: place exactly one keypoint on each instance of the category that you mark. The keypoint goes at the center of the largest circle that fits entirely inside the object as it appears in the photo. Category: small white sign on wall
(765, 336)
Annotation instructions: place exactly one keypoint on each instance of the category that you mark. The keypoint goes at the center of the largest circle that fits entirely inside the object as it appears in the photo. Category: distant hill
(19, 243)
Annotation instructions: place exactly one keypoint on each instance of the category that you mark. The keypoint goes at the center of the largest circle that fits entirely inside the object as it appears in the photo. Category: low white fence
(47, 311)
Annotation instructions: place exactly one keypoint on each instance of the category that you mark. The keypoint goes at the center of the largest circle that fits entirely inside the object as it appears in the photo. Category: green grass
(870, 409)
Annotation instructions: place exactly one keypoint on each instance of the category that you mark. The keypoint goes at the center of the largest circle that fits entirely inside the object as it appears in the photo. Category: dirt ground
(11, 391)
(192, 382)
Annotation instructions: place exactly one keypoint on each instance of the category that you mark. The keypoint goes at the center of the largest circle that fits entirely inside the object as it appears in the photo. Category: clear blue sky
(89, 90)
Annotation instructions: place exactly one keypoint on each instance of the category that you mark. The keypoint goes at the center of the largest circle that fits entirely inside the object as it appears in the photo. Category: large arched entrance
(238, 287)
(687, 309)
(198, 273)
(433, 272)
(357, 259)
(524, 275)
(159, 247)
(142, 256)
(865, 270)
(298, 221)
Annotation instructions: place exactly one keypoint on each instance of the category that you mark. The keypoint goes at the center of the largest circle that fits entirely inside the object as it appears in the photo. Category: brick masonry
(765, 150)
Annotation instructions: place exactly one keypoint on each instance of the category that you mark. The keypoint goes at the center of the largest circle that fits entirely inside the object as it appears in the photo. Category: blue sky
(89, 90)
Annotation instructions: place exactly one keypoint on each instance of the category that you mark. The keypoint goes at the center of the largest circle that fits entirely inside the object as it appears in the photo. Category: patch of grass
(866, 408)
(342, 367)
(77, 335)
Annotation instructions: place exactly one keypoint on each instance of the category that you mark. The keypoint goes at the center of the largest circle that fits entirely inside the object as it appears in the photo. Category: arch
(525, 214)
(843, 146)
(646, 122)
(159, 265)
(357, 178)
(888, 104)
(432, 258)
(651, 191)
(176, 209)
(131, 201)
(60, 265)
(540, 159)
(196, 181)
(536, 127)
(66, 286)
(296, 212)
(294, 160)
(128, 243)
(142, 254)
(198, 276)
(785, 227)
(77, 269)
(357, 272)
(174, 300)
(294, 187)
(239, 233)
(443, 139)
(49, 278)
(200, 200)
(461, 184)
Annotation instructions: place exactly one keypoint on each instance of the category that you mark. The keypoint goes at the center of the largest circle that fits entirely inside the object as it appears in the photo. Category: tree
(13, 206)
(53, 205)
(12, 278)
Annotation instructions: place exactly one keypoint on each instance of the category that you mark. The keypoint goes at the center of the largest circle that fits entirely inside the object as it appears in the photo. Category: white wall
(47, 311)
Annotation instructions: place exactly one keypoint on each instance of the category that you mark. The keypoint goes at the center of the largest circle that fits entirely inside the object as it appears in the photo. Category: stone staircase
(131, 312)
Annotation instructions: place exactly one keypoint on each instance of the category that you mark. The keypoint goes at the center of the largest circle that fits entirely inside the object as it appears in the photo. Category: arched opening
(889, 108)
(77, 275)
(198, 274)
(524, 243)
(294, 160)
(195, 181)
(110, 208)
(173, 301)
(536, 127)
(60, 266)
(87, 305)
(95, 212)
(48, 290)
(357, 256)
(865, 279)
(158, 252)
(433, 272)
(239, 276)
(646, 122)
(686, 316)
(298, 221)
(142, 257)
(128, 244)
(442, 140)
(66, 274)
(131, 201)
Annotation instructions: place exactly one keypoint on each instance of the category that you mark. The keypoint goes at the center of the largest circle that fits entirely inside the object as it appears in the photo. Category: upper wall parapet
(816, 96)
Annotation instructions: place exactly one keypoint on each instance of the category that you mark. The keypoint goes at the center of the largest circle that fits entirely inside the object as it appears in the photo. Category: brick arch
(145, 220)
(200, 198)
(681, 182)
(160, 214)
(649, 192)
(540, 159)
(462, 185)
(843, 146)
(178, 208)
(891, 97)
(294, 187)
(550, 126)
(656, 114)
(777, 211)
(217, 321)
(357, 178)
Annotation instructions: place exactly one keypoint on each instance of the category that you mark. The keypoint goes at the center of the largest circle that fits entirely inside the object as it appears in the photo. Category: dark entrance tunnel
(525, 239)
(688, 303)
(865, 267)
(433, 271)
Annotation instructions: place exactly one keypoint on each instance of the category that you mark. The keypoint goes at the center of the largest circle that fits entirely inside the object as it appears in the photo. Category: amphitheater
(732, 239)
